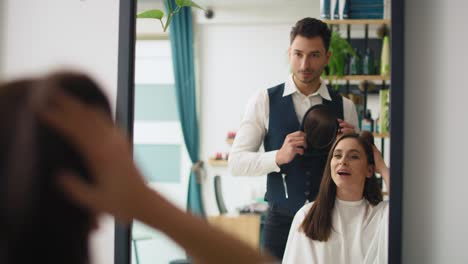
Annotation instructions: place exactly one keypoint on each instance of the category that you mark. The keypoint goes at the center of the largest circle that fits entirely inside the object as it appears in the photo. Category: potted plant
(340, 50)
(159, 14)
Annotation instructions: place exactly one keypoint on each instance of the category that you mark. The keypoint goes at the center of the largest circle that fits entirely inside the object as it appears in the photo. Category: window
(159, 148)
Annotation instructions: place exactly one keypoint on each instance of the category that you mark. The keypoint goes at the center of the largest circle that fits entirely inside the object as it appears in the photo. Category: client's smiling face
(349, 165)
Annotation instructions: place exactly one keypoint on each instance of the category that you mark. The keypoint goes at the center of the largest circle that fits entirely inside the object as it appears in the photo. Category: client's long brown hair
(318, 222)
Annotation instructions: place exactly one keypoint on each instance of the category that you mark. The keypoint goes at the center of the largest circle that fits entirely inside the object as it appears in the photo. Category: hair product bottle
(325, 9)
(367, 122)
(368, 62)
(385, 58)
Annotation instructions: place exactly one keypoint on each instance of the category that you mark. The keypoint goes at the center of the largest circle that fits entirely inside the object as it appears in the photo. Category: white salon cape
(359, 236)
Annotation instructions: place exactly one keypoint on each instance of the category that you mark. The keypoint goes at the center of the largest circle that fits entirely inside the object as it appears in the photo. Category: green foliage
(190, 3)
(154, 13)
(340, 51)
(159, 14)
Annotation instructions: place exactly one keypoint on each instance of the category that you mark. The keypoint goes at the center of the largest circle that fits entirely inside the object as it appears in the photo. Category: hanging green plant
(159, 14)
(340, 51)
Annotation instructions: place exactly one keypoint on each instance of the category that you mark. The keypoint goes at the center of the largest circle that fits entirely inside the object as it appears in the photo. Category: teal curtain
(181, 36)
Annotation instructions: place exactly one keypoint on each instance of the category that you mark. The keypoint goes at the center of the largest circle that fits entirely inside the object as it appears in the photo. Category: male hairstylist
(273, 118)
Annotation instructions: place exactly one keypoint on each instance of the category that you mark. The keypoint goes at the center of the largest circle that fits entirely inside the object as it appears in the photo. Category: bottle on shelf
(384, 110)
(358, 100)
(344, 9)
(334, 6)
(355, 64)
(325, 9)
(387, 9)
(385, 57)
(377, 125)
(367, 123)
(368, 62)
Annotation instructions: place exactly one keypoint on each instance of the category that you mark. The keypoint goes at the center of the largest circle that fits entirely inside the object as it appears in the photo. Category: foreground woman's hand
(116, 181)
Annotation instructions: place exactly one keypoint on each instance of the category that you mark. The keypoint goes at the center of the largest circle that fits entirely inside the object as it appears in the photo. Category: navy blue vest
(302, 177)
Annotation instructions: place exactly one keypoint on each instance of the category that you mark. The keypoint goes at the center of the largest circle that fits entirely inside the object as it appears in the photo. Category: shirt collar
(290, 88)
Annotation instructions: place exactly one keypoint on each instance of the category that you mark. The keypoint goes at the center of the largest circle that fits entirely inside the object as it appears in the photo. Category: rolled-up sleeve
(245, 158)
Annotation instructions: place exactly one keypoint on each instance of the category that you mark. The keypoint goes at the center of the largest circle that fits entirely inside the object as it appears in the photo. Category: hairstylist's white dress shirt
(245, 158)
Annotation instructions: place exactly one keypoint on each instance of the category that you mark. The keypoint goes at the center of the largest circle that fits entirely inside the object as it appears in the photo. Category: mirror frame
(125, 118)
(124, 112)
(396, 130)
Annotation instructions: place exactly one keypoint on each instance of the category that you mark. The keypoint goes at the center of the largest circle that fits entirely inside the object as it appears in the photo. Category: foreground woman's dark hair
(38, 223)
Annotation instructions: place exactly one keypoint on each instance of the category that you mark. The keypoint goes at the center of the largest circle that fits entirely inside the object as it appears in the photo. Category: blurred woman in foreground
(63, 161)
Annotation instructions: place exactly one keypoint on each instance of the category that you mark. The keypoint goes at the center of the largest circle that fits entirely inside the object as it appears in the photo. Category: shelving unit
(362, 78)
(348, 78)
(218, 163)
(359, 78)
(381, 135)
(357, 21)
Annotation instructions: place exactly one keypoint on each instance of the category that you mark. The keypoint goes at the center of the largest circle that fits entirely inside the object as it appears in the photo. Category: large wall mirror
(241, 49)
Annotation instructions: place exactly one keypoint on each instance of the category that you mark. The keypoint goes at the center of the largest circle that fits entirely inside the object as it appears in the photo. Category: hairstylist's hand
(117, 183)
(294, 143)
(345, 127)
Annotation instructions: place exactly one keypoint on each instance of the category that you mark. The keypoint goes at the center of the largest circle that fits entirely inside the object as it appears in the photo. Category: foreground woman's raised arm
(119, 189)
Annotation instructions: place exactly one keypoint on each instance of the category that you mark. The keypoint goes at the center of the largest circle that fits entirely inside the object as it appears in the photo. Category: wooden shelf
(218, 163)
(359, 78)
(357, 21)
(381, 135)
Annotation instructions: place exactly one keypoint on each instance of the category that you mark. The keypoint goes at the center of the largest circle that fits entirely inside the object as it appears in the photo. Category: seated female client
(348, 221)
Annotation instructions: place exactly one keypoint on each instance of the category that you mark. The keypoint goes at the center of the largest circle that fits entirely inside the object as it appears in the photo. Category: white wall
(53, 34)
(435, 179)
(37, 36)
(238, 52)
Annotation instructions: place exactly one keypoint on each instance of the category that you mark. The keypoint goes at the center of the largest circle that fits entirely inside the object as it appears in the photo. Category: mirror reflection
(255, 81)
